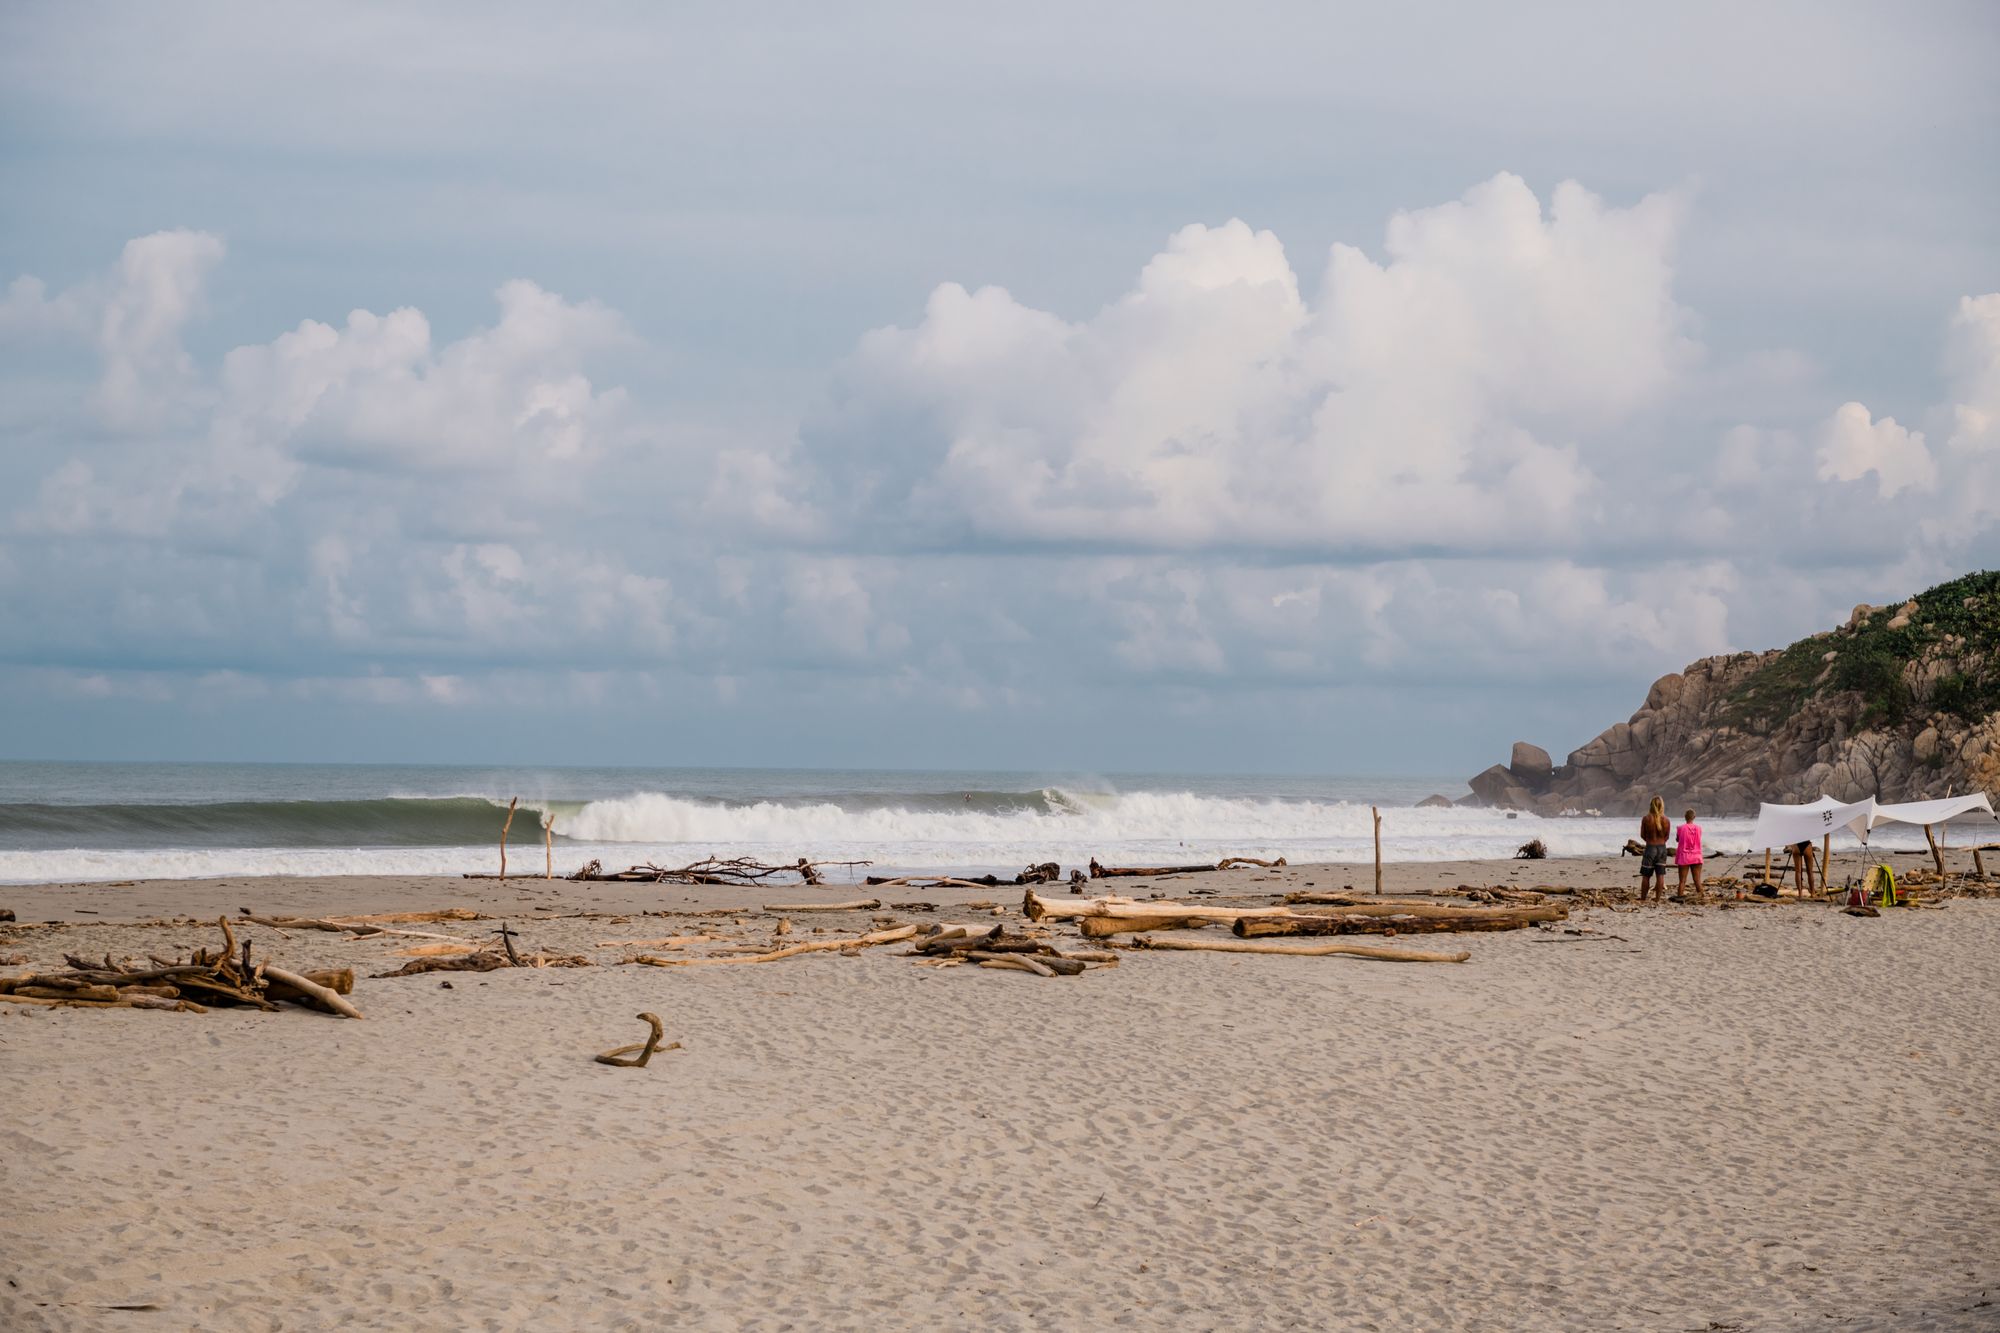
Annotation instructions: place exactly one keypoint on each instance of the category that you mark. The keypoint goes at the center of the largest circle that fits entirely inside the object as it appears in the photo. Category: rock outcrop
(1901, 702)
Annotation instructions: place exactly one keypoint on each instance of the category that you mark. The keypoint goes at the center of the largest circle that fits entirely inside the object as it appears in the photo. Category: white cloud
(1444, 398)
(376, 393)
(1213, 484)
(154, 291)
(1853, 444)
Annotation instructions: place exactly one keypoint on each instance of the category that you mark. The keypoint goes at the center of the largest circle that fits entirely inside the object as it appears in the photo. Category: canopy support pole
(1937, 857)
(1767, 867)
(1825, 862)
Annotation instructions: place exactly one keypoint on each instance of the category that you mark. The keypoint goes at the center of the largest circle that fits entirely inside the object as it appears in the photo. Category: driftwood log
(623, 1057)
(1406, 921)
(1115, 872)
(291, 986)
(1101, 918)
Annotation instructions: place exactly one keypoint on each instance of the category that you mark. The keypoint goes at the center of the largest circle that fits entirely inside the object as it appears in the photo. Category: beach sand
(1767, 1117)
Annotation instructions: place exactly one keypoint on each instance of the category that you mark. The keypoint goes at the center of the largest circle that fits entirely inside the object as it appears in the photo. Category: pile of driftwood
(480, 956)
(739, 870)
(1047, 872)
(226, 976)
(1227, 863)
(994, 948)
(1338, 914)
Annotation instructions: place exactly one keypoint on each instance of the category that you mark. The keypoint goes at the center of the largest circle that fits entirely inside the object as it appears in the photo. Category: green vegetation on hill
(1959, 620)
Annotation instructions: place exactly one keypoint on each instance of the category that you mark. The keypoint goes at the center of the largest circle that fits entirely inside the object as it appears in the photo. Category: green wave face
(384, 822)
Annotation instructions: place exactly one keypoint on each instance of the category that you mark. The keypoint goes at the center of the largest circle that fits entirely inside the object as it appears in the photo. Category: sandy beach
(1723, 1117)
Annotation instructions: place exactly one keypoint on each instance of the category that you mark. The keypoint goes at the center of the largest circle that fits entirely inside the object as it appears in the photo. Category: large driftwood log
(1400, 923)
(1104, 927)
(1231, 862)
(324, 997)
(1351, 898)
(1433, 911)
(1037, 908)
(1015, 962)
(1378, 951)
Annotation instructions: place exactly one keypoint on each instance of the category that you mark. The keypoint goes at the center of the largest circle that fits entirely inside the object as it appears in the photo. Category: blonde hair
(1658, 807)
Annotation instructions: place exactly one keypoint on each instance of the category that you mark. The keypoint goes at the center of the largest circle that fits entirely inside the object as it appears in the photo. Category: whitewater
(77, 823)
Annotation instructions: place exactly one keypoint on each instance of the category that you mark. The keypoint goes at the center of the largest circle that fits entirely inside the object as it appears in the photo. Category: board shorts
(1654, 858)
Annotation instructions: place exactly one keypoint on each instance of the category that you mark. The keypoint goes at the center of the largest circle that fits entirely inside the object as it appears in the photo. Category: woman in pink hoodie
(1687, 853)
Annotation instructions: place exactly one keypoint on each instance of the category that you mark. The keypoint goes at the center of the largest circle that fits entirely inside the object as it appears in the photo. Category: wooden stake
(1937, 857)
(1767, 867)
(1378, 847)
(503, 835)
(1825, 862)
(549, 850)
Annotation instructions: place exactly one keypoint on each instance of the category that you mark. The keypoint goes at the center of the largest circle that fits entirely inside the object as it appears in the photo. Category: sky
(1128, 387)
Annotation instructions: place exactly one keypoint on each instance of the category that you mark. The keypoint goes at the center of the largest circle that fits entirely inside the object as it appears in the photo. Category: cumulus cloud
(1854, 444)
(1965, 469)
(135, 315)
(1474, 455)
(378, 393)
(1445, 397)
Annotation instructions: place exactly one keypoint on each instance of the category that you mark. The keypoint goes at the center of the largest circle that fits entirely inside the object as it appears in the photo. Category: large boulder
(1530, 765)
(1434, 802)
(1491, 787)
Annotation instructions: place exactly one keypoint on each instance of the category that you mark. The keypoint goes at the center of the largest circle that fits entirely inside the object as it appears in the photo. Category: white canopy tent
(1790, 825)
(1928, 813)
(1785, 825)
(1933, 812)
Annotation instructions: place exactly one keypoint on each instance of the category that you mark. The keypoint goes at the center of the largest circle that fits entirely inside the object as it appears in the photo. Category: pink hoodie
(1688, 851)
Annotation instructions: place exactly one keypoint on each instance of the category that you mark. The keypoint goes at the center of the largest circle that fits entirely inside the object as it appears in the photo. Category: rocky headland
(1901, 702)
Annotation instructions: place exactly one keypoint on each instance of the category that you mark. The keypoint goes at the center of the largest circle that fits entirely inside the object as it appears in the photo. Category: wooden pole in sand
(503, 835)
(1825, 862)
(1378, 847)
(548, 851)
(1767, 867)
(1937, 857)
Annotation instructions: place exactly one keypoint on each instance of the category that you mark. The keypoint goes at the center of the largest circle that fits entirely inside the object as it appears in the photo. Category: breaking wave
(985, 829)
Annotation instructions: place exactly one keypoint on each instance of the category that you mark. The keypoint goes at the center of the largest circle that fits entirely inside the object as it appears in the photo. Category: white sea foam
(1066, 826)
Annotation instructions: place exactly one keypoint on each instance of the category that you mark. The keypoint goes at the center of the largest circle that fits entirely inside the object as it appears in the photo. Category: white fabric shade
(1932, 812)
(1783, 825)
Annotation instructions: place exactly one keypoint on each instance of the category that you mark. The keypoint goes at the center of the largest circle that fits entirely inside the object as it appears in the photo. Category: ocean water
(62, 822)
